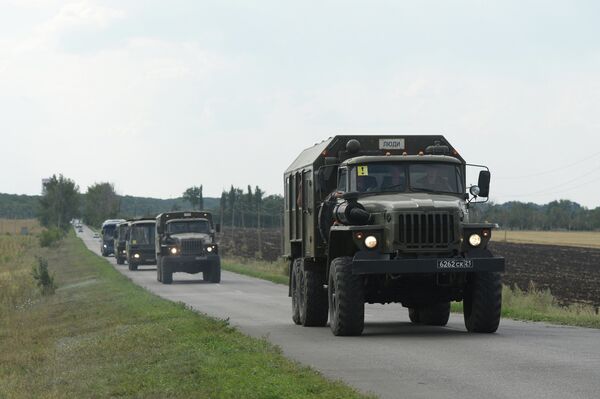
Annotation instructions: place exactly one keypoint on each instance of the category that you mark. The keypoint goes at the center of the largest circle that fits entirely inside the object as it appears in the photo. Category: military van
(140, 243)
(107, 233)
(120, 237)
(186, 242)
(385, 219)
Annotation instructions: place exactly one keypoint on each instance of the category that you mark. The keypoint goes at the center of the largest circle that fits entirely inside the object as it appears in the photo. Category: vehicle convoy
(140, 242)
(120, 236)
(185, 242)
(385, 219)
(108, 232)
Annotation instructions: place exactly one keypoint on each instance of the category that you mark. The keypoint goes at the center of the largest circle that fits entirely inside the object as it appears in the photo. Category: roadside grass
(585, 239)
(530, 305)
(539, 305)
(100, 335)
(276, 272)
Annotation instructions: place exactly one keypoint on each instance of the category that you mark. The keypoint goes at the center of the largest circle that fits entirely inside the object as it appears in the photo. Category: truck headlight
(174, 251)
(370, 242)
(104, 245)
(475, 240)
(137, 256)
(209, 249)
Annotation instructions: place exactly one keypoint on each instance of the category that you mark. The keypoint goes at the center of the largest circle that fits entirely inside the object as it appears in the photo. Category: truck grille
(427, 230)
(191, 247)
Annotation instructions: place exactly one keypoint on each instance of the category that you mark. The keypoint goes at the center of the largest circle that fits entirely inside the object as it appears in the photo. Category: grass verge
(530, 305)
(100, 335)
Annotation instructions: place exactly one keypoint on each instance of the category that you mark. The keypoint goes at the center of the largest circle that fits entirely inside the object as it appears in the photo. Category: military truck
(120, 236)
(140, 243)
(385, 219)
(186, 242)
(107, 233)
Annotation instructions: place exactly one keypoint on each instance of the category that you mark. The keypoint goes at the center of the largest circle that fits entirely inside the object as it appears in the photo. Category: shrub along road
(394, 358)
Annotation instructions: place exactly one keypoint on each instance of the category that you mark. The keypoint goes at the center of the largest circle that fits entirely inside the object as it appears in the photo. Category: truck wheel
(346, 298)
(294, 284)
(158, 269)
(215, 274)
(483, 302)
(312, 298)
(413, 315)
(120, 260)
(132, 266)
(435, 315)
(166, 276)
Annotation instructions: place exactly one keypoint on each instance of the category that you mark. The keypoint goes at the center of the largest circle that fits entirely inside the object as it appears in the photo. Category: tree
(193, 195)
(59, 203)
(101, 203)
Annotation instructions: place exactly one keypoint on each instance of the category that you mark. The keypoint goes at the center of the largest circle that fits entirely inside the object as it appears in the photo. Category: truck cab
(384, 219)
(140, 243)
(186, 242)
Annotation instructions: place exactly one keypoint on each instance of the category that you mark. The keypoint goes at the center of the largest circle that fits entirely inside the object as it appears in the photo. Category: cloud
(81, 15)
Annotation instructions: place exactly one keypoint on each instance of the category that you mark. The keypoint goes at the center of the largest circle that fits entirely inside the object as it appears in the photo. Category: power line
(550, 170)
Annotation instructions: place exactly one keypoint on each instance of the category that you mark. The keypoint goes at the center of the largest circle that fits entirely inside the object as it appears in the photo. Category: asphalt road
(393, 358)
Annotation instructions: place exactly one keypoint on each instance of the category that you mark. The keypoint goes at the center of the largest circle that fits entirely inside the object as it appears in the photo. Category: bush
(50, 236)
(44, 280)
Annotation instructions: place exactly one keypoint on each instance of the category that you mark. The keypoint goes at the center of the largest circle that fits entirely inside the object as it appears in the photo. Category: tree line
(556, 215)
(62, 201)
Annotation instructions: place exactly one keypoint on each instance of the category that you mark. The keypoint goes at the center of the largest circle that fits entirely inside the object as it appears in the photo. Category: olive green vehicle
(385, 219)
(186, 242)
(120, 236)
(140, 242)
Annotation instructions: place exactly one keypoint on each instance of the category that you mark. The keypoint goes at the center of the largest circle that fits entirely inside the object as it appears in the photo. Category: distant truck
(383, 219)
(120, 237)
(185, 242)
(140, 243)
(107, 233)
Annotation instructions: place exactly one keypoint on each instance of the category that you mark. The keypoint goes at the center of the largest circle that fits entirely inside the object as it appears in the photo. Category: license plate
(199, 257)
(453, 264)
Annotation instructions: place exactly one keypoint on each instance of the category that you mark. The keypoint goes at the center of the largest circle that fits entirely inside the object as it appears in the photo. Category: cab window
(342, 180)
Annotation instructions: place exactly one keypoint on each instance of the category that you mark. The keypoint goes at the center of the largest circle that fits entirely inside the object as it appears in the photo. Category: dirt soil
(572, 274)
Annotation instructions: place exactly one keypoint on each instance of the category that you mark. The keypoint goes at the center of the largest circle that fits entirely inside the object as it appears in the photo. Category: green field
(101, 336)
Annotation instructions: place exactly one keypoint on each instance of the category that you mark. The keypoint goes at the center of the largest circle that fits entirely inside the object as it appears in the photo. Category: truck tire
(294, 291)
(482, 305)
(166, 276)
(413, 315)
(132, 265)
(312, 299)
(435, 315)
(215, 274)
(158, 269)
(346, 298)
(120, 260)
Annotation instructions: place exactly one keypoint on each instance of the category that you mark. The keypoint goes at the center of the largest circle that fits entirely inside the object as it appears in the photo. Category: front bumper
(191, 263)
(366, 263)
(146, 256)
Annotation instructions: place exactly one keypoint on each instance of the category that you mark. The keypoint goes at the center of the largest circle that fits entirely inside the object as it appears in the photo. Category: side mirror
(484, 183)
(159, 229)
(218, 227)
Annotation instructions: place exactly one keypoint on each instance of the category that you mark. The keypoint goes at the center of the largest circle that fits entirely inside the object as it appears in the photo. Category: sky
(158, 96)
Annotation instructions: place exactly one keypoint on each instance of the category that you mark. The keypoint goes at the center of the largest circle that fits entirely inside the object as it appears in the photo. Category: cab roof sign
(391, 144)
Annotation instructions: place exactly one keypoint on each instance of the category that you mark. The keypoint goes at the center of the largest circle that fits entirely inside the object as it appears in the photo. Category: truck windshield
(142, 234)
(401, 177)
(189, 226)
(108, 231)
